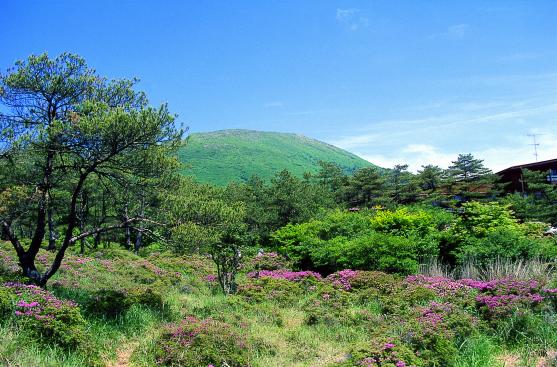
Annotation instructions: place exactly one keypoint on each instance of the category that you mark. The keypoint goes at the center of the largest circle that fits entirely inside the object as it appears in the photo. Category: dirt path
(123, 355)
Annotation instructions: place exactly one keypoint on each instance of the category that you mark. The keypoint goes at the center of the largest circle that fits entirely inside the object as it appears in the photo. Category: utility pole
(535, 144)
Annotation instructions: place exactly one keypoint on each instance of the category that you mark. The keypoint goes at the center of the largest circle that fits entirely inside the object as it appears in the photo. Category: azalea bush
(267, 261)
(42, 314)
(195, 342)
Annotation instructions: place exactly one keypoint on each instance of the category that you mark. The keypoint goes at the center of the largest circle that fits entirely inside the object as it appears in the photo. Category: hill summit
(223, 156)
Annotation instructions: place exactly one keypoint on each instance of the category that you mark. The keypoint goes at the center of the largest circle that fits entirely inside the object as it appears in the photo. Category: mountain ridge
(222, 156)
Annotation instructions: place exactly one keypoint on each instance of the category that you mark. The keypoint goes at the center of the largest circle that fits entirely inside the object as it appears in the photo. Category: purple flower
(284, 274)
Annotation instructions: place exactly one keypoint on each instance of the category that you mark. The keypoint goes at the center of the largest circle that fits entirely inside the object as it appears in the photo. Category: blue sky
(394, 81)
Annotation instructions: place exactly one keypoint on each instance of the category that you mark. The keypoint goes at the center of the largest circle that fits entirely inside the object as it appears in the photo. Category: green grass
(278, 332)
(235, 155)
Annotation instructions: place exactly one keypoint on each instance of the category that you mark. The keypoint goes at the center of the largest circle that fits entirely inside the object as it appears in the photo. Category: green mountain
(235, 155)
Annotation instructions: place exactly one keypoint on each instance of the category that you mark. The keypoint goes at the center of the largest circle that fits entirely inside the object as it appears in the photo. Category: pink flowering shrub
(267, 261)
(448, 290)
(194, 342)
(293, 276)
(383, 352)
(342, 279)
(329, 305)
(39, 312)
(501, 297)
(276, 289)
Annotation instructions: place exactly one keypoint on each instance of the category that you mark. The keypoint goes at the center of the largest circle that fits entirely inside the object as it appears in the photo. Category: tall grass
(496, 269)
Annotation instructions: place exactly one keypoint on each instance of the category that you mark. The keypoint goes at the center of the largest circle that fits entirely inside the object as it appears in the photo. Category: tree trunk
(127, 231)
(51, 230)
(97, 241)
(140, 231)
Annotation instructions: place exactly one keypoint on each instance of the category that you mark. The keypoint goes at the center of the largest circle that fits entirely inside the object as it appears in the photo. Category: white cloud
(496, 158)
(414, 155)
(351, 18)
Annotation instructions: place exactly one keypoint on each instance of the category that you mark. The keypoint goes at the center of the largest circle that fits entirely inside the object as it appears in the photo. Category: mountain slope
(235, 155)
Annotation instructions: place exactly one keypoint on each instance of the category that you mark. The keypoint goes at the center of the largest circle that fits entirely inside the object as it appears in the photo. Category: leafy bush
(500, 243)
(405, 222)
(488, 231)
(296, 241)
(113, 302)
(267, 261)
(383, 351)
(388, 241)
(282, 286)
(196, 342)
(39, 312)
(6, 302)
(373, 251)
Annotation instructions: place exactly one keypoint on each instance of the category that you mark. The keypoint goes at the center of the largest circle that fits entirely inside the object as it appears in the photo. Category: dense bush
(49, 318)
(195, 342)
(374, 251)
(267, 261)
(113, 302)
(489, 231)
(282, 286)
(6, 302)
(388, 241)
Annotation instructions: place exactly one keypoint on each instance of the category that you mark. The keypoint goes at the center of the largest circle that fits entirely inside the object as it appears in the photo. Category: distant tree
(402, 185)
(332, 177)
(467, 168)
(69, 124)
(293, 200)
(430, 177)
(366, 188)
(469, 178)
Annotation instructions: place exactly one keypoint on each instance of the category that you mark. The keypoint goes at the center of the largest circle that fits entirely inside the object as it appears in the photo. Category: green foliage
(281, 291)
(374, 251)
(266, 261)
(504, 243)
(366, 188)
(196, 342)
(221, 157)
(478, 219)
(487, 231)
(7, 298)
(387, 241)
(114, 302)
(58, 321)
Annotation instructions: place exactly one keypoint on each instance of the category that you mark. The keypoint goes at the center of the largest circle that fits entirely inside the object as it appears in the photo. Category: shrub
(383, 351)
(403, 222)
(374, 251)
(500, 243)
(296, 241)
(113, 302)
(196, 342)
(267, 261)
(284, 290)
(330, 306)
(55, 320)
(6, 302)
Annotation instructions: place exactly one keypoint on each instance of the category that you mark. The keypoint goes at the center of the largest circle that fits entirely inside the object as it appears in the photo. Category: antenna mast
(535, 144)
